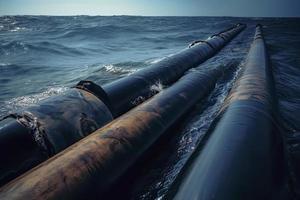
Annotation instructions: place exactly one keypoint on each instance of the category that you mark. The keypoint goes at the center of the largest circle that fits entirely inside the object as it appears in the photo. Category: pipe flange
(201, 41)
(96, 90)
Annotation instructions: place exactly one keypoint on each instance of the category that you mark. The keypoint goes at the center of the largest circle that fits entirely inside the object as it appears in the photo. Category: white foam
(4, 64)
(118, 70)
(154, 89)
(17, 29)
(21, 102)
(157, 87)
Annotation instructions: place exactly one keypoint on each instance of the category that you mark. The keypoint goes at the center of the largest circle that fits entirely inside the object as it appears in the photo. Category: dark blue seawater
(41, 56)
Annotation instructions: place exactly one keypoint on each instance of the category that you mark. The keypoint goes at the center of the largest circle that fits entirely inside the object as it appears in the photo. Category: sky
(242, 8)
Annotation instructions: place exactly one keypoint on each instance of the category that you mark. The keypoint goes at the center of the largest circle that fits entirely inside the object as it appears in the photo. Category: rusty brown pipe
(243, 158)
(97, 161)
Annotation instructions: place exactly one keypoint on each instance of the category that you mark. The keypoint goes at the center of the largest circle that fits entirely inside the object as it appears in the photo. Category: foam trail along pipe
(243, 157)
(97, 161)
(43, 130)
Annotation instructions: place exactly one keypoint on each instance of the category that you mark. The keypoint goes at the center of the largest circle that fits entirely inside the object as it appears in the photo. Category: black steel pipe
(97, 161)
(60, 121)
(123, 92)
(243, 157)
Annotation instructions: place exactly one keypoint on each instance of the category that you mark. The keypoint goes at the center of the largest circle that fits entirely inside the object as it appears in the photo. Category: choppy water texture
(41, 56)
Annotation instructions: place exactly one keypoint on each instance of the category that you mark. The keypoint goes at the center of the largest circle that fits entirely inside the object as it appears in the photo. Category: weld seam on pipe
(97, 91)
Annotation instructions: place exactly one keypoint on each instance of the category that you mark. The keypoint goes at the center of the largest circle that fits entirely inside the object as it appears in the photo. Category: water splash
(153, 90)
(138, 100)
(156, 88)
(118, 70)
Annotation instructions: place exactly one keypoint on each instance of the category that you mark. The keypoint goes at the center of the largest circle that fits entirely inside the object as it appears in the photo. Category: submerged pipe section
(41, 131)
(243, 157)
(97, 161)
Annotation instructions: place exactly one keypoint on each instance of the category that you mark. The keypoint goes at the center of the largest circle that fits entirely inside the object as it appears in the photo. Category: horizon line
(113, 15)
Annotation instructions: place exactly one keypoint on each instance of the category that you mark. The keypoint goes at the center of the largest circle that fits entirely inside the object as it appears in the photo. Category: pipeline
(97, 161)
(123, 92)
(243, 157)
(39, 132)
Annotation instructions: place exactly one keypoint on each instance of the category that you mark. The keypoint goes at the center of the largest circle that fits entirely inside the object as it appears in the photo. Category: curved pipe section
(97, 161)
(243, 157)
(45, 129)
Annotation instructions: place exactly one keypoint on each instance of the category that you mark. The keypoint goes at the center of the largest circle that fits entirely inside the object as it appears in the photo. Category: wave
(104, 31)
(174, 38)
(118, 70)
(13, 28)
(17, 29)
(13, 47)
(105, 73)
(11, 71)
(5, 64)
(18, 103)
(17, 47)
(12, 24)
(122, 67)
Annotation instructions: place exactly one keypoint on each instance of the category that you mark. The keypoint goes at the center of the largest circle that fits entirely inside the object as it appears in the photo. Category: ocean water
(41, 56)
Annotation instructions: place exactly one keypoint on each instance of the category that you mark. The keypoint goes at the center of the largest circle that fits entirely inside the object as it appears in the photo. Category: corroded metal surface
(65, 119)
(243, 158)
(254, 83)
(47, 128)
(97, 161)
